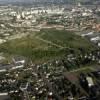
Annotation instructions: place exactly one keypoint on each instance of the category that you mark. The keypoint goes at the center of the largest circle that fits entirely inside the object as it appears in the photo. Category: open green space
(46, 44)
(65, 39)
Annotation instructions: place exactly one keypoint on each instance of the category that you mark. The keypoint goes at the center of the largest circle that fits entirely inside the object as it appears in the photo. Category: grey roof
(93, 35)
(18, 64)
(5, 66)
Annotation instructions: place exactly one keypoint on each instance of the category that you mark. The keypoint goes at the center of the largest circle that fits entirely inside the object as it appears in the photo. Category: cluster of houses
(94, 37)
(90, 83)
(17, 62)
(47, 80)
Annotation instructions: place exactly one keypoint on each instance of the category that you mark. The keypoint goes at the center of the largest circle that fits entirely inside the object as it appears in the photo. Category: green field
(65, 39)
(46, 44)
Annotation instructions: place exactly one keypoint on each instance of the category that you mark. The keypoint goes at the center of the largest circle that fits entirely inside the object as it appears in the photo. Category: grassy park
(46, 44)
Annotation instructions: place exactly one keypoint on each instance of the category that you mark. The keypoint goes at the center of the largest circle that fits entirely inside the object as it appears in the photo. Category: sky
(21, 0)
(17, 0)
(9, 1)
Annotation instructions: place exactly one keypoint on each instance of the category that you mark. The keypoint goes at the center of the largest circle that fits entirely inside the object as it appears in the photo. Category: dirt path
(91, 68)
(49, 42)
(18, 36)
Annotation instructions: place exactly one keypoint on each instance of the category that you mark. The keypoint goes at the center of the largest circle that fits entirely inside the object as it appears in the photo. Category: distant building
(24, 86)
(5, 67)
(18, 17)
(95, 38)
(87, 34)
(90, 81)
(98, 44)
(2, 41)
(17, 66)
(18, 59)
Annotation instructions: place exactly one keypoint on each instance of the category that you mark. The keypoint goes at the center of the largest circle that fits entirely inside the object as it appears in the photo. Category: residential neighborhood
(50, 52)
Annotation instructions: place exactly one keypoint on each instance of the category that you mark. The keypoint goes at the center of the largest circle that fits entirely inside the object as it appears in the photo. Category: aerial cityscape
(49, 49)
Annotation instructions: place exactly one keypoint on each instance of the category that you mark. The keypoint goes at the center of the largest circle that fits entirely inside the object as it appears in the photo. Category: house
(70, 98)
(95, 38)
(83, 98)
(50, 95)
(24, 86)
(98, 44)
(5, 67)
(87, 34)
(90, 81)
(18, 59)
(17, 66)
(2, 41)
